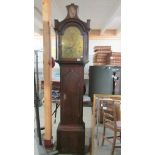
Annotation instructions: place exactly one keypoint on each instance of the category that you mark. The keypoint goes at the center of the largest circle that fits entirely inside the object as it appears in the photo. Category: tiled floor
(99, 150)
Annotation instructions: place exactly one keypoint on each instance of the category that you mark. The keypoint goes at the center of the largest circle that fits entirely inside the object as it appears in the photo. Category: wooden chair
(110, 121)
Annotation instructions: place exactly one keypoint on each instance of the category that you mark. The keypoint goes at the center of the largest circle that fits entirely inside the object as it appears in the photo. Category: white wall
(114, 43)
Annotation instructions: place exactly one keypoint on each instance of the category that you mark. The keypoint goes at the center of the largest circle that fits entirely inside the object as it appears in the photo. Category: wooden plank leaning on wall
(46, 13)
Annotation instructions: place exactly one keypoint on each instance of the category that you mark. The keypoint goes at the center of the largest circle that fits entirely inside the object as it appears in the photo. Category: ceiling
(105, 15)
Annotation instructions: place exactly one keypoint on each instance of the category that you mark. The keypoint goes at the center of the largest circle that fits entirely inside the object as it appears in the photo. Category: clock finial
(72, 11)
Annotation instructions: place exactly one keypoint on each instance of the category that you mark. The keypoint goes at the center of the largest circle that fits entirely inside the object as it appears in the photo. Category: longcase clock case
(72, 54)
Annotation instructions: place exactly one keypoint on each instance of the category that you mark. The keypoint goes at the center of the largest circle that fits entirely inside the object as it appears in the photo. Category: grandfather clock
(72, 54)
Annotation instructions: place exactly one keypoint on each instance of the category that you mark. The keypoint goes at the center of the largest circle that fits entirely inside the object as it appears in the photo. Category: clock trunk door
(72, 94)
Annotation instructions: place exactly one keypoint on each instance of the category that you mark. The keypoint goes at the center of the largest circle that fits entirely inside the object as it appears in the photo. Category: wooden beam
(109, 33)
(46, 12)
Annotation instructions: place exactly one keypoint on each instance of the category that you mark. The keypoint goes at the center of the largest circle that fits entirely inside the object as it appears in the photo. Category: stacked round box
(102, 55)
(115, 59)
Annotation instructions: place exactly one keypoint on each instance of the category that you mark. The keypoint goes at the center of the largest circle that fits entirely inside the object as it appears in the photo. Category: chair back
(109, 114)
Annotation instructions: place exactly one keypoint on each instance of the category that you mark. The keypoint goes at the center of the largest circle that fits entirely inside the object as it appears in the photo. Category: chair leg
(103, 136)
(114, 142)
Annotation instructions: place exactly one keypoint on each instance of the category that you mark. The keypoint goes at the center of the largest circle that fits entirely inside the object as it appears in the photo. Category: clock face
(72, 43)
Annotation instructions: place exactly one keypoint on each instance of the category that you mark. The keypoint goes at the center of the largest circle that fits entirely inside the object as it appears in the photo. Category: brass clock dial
(72, 43)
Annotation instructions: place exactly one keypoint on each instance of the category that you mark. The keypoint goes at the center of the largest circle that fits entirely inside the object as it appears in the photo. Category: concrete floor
(99, 150)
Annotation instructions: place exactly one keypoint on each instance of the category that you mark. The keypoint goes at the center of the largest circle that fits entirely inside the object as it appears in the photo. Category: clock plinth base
(71, 139)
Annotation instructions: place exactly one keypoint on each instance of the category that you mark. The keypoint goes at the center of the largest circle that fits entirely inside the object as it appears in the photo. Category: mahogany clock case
(71, 129)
